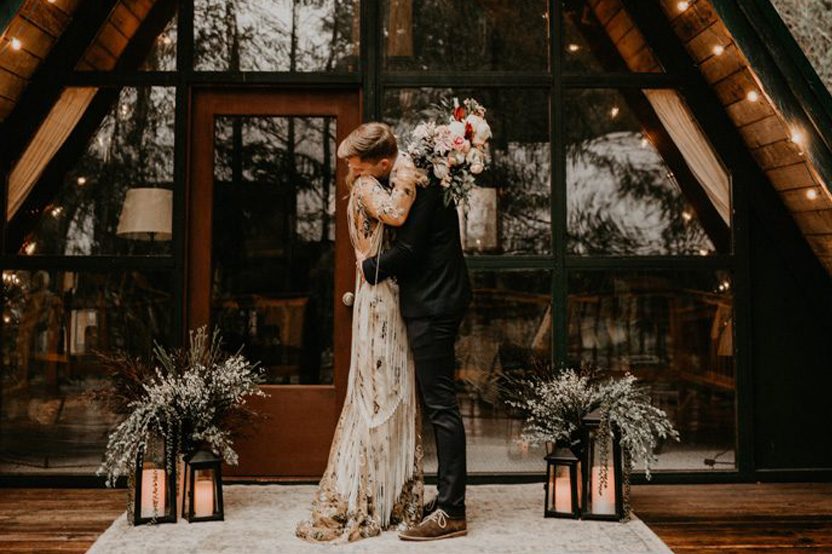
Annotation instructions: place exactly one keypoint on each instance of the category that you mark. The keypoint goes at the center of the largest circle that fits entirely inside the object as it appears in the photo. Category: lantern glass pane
(602, 475)
(154, 501)
(562, 490)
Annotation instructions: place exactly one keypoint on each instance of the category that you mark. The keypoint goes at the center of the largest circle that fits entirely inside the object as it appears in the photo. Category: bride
(373, 479)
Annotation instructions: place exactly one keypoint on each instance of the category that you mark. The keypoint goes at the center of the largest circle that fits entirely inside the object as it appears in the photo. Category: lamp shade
(146, 214)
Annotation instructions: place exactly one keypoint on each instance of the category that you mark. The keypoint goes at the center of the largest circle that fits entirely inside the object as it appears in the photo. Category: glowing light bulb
(614, 112)
(6, 319)
(718, 50)
(703, 251)
(796, 137)
(683, 5)
(165, 39)
(573, 47)
(56, 211)
(30, 248)
(644, 142)
(16, 44)
(82, 180)
(812, 194)
(752, 96)
(687, 216)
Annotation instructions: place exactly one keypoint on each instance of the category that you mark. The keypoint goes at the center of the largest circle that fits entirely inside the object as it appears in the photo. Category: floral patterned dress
(373, 479)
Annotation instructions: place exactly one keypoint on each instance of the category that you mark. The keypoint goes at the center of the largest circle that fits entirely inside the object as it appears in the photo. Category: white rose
(474, 156)
(441, 170)
(482, 132)
(457, 128)
(476, 168)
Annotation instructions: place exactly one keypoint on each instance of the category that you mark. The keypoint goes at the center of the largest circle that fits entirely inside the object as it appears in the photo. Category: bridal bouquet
(452, 154)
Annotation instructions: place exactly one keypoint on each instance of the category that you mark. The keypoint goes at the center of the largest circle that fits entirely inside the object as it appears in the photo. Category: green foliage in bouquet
(187, 395)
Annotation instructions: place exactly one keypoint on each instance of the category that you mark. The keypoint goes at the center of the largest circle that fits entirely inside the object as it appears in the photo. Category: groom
(434, 291)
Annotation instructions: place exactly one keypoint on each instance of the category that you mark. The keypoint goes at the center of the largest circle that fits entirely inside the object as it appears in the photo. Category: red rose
(469, 130)
(459, 113)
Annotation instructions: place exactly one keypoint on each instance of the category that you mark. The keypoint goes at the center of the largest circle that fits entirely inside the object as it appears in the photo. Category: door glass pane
(276, 35)
(674, 331)
(273, 242)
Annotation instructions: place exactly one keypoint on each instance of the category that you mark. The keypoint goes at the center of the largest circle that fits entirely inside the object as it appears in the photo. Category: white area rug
(501, 519)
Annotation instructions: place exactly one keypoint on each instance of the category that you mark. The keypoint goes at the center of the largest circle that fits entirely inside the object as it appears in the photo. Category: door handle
(348, 299)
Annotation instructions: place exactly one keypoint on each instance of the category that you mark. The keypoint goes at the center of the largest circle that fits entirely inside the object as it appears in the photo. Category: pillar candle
(563, 495)
(149, 477)
(204, 498)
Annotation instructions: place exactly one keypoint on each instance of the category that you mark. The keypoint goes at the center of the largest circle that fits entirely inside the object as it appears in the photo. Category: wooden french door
(269, 259)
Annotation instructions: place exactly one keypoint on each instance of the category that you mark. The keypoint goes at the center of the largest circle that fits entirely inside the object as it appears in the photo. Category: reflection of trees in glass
(473, 35)
(133, 147)
(162, 55)
(622, 198)
(519, 150)
(276, 35)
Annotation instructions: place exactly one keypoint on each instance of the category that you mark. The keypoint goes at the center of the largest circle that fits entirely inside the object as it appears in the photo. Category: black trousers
(432, 341)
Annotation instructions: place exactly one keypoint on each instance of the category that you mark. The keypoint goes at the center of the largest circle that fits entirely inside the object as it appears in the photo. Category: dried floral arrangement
(553, 403)
(188, 395)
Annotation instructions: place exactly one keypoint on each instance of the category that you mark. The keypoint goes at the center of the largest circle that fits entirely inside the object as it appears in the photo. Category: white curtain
(695, 148)
(48, 140)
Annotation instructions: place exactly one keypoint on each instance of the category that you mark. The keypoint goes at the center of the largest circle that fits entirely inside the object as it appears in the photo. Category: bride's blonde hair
(370, 142)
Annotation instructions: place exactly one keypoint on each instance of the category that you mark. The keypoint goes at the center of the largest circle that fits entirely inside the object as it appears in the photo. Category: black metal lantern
(562, 488)
(601, 456)
(154, 487)
(202, 500)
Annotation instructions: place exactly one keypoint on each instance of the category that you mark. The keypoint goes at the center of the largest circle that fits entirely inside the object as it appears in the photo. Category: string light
(82, 180)
(644, 142)
(683, 5)
(165, 39)
(16, 44)
(614, 112)
(6, 319)
(56, 211)
(686, 215)
(752, 96)
(30, 248)
(703, 251)
(796, 137)
(812, 194)
(718, 50)
(573, 47)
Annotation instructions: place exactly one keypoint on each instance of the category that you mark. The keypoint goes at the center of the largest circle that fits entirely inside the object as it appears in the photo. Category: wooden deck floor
(705, 519)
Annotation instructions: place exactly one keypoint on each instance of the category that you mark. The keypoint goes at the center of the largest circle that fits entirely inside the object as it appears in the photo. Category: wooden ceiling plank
(734, 87)
(778, 154)
(765, 131)
(99, 58)
(35, 40)
(139, 7)
(11, 86)
(618, 26)
(701, 47)
(125, 20)
(744, 112)
(814, 223)
(111, 40)
(606, 10)
(821, 244)
(690, 23)
(717, 68)
(21, 63)
(48, 18)
(798, 201)
(791, 177)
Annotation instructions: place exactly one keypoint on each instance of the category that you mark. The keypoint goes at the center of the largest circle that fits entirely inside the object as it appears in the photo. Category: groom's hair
(370, 141)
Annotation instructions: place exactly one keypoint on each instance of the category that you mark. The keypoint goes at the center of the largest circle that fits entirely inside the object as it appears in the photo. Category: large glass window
(674, 330)
(448, 35)
(641, 178)
(276, 35)
(53, 322)
(511, 212)
(117, 198)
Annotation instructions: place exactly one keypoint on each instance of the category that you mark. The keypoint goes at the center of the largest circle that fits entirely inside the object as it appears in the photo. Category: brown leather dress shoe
(434, 527)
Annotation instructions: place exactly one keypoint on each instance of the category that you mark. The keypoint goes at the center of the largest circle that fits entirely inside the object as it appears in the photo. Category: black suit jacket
(426, 259)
